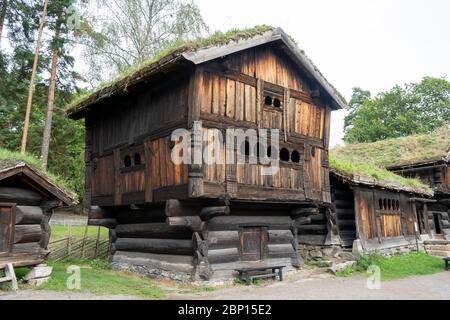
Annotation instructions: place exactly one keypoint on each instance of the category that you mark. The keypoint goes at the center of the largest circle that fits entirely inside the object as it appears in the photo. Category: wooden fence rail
(78, 248)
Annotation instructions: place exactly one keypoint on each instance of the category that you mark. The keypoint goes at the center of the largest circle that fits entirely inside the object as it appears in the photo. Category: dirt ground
(307, 285)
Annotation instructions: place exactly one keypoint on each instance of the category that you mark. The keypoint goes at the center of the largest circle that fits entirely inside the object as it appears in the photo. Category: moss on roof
(370, 174)
(181, 46)
(136, 73)
(9, 159)
(400, 151)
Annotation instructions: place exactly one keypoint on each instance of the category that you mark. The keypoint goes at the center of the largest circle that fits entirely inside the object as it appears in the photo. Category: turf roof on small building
(10, 159)
(400, 151)
(367, 162)
(171, 55)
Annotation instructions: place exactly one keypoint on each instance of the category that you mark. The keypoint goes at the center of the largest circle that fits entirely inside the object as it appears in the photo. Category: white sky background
(373, 44)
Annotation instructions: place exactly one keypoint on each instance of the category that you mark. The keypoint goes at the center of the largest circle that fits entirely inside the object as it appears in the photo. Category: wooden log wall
(311, 225)
(31, 228)
(223, 237)
(343, 202)
(142, 237)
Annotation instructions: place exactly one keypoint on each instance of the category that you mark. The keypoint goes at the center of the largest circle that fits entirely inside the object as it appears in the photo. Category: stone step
(438, 247)
(442, 254)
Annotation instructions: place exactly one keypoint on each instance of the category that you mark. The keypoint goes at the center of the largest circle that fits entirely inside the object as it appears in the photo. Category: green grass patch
(397, 267)
(98, 278)
(60, 232)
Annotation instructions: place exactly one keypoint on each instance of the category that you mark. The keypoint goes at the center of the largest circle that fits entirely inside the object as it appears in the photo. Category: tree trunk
(51, 100)
(33, 77)
(3, 10)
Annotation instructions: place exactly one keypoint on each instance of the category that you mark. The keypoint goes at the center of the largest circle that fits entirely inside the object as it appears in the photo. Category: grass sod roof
(371, 175)
(366, 162)
(139, 72)
(400, 151)
(10, 159)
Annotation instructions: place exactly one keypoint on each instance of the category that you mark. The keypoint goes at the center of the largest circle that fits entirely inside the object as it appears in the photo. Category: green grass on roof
(216, 39)
(381, 176)
(10, 158)
(406, 150)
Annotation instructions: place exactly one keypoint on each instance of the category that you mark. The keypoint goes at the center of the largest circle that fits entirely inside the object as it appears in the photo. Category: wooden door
(6, 228)
(254, 243)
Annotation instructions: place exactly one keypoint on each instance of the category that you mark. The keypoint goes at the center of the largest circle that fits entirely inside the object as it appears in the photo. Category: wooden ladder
(10, 275)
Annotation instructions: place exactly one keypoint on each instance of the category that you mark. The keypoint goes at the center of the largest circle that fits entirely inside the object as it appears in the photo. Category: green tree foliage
(66, 156)
(413, 109)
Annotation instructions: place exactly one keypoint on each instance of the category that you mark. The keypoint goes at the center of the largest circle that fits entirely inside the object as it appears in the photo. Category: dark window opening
(245, 149)
(437, 223)
(389, 204)
(397, 203)
(137, 159)
(385, 204)
(380, 203)
(127, 161)
(277, 103)
(268, 101)
(295, 157)
(272, 152)
(284, 155)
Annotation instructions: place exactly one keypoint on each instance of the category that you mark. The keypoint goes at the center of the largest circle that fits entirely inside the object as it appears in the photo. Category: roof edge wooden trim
(41, 180)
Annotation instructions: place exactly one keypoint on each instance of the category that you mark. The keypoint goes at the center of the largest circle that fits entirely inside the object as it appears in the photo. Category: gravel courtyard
(324, 287)
(301, 286)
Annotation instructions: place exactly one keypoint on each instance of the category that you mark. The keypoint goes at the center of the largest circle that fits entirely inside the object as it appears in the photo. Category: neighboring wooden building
(422, 157)
(375, 216)
(206, 220)
(434, 216)
(27, 198)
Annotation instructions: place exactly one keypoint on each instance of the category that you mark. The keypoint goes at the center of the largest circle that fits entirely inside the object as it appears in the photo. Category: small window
(277, 103)
(380, 203)
(385, 206)
(389, 204)
(245, 148)
(127, 161)
(268, 101)
(397, 203)
(284, 155)
(137, 159)
(295, 156)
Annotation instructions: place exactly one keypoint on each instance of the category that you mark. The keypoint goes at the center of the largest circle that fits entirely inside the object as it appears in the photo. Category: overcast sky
(373, 44)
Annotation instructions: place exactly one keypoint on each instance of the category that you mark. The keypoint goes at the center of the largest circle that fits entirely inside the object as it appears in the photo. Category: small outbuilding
(27, 200)
(376, 215)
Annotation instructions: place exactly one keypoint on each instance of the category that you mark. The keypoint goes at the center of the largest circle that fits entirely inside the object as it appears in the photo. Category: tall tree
(132, 31)
(414, 108)
(3, 10)
(32, 80)
(61, 13)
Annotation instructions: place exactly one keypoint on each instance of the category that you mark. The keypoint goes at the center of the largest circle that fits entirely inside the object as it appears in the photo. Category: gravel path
(323, 287)
(310, 285)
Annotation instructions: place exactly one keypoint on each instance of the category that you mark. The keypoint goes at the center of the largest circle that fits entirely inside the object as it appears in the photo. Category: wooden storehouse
(374, 215)
(424, 158)
(27, 199)
(190, 220)
(434, 216)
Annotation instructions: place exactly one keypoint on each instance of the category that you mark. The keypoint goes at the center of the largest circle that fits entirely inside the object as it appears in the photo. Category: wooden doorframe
(264, 240)
(12, 223)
